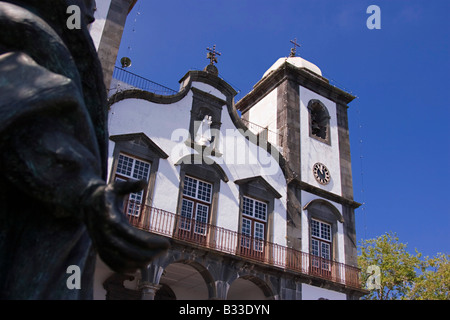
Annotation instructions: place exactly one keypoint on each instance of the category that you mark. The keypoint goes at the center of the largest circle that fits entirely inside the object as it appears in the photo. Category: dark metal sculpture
(56, 209)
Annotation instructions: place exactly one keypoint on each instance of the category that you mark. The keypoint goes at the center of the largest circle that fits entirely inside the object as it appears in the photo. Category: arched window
(319, 121)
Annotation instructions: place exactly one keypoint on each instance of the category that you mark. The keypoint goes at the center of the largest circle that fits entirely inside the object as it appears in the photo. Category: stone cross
(211, 55)
(294, 49)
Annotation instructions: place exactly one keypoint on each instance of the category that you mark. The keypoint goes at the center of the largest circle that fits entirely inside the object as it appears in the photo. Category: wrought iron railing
(136, 81)
(220, 239)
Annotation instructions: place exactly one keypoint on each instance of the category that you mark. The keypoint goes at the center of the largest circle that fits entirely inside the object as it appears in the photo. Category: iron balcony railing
(223, 240)
(142, 83)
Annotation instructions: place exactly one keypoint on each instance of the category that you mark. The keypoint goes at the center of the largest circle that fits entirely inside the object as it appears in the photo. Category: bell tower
(107, 30)
(309, 117)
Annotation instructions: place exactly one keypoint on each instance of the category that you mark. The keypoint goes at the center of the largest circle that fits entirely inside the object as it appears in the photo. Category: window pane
(190, 187)
(260, 210)
(259, 231)
(259, 235)
(325, 231)
(247, 207)
(315, 247)
(134, 204)
(204, 191)
(246, 232)
(186, 214)
(315, 228)
(201, 218)
(325, 251)
(141, 170)
(124, 165)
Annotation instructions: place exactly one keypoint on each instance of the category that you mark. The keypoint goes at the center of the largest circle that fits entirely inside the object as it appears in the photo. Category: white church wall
(167, 126)
(313, 151)
(259, 162)
(264, 113)
(315, 293)
(96, 28)
(209, 89)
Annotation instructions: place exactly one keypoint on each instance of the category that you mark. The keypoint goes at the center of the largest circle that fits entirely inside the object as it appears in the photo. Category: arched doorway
(186, 281)
(249, 288)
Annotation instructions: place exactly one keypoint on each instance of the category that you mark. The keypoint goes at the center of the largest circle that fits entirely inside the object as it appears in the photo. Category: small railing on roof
(270, 136)
(135, 81)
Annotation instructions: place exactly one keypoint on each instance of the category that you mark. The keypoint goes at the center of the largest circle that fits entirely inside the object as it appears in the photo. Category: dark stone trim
(209, 173)
(115, 290)
(149, 152)
(344, 151)
(146, 95)
(301, 76)
(330, 206)
(260, 180)
(326, 194)
(133, 136)
(196, 159)
(212, 80)
(327, 139)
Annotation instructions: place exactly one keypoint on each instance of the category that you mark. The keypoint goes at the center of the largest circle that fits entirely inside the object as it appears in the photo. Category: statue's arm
(47, 140)
(49, 151)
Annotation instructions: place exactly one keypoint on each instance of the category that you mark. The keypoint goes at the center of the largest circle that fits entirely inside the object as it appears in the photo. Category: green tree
(434, 282)
(398, 268)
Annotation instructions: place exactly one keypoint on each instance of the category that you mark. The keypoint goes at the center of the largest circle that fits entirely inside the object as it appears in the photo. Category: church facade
(258, 204)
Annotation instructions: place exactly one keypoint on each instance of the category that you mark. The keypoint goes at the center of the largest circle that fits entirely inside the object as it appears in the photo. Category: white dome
(296, 62)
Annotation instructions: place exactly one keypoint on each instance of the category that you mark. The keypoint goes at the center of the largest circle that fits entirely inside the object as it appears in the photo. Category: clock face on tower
(321, 173)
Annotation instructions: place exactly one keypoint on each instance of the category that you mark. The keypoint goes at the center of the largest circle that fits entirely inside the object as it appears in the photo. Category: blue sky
(399, 130)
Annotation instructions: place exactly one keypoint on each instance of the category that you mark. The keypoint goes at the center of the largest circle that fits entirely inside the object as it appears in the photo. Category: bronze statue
(56, 209)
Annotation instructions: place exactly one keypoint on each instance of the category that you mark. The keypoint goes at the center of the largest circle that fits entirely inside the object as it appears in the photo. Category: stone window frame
(324, 211)
(259, 189)
(315, 103)
(207, 170)
(141, 147)
(205, 104)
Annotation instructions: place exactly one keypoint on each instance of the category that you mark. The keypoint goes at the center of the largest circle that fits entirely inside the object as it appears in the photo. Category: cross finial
(211, 55)
(294, 49)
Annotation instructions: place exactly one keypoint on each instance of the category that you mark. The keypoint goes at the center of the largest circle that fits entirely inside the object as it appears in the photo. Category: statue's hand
(121, 246)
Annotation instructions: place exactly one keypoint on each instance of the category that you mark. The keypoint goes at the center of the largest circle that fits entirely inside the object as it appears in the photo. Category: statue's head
(56, 11)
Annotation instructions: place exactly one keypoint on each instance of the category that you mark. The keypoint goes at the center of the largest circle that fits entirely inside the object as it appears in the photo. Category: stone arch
(250, 287)
(188, 279)
(319, 121)
(317, 203)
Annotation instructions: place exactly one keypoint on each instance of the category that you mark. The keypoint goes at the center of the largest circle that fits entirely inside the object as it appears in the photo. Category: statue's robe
(53, 142)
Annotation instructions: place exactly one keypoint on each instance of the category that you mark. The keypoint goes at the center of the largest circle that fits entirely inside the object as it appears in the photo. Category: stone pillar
(112, 36)
(221, 290)
(148, 290)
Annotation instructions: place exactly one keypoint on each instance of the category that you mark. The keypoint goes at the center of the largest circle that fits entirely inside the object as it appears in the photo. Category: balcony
(218, 239)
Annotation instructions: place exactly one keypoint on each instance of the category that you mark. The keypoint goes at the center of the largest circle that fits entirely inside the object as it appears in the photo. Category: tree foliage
(402, 275)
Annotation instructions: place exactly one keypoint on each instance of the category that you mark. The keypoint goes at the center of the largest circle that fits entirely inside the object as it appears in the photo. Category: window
(130, 168)
(195, 208)
(321, 246)
(319, 121)
(254, 218)
(205, 105)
